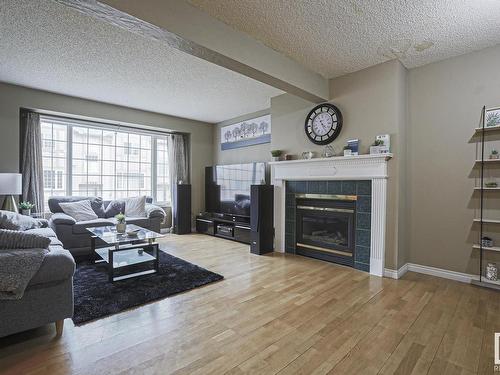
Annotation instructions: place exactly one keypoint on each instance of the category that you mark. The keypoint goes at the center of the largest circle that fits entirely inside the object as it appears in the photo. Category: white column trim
(364, 167)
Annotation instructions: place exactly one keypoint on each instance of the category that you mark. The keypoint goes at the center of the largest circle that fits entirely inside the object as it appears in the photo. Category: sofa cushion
(46, 232)
(54, 241)
(61, 218)
(153, 210)
(15, 239)
(81, 226)
(114, 208)
(95, 202)
(80, 211)
(14, 221)
(57, 265)
(136, 206)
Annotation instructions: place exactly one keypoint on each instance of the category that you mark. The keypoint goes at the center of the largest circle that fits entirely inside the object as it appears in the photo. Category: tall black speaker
(212, 191)
(182, 209)
(261, 219)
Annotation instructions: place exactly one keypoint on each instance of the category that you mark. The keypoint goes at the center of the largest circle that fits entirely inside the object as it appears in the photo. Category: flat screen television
(231, 184)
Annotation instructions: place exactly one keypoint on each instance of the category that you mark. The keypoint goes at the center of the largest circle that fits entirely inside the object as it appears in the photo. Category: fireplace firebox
(326, 227)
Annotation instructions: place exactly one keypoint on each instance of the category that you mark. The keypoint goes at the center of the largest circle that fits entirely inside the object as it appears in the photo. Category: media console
(226, 226)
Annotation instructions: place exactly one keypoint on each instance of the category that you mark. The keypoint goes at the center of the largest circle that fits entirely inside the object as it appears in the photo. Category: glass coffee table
(126, 256)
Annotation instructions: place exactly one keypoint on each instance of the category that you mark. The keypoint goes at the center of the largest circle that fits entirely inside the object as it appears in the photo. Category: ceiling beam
(270, 67)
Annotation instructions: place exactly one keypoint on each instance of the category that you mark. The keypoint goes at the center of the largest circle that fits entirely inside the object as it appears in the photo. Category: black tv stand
(226, 226)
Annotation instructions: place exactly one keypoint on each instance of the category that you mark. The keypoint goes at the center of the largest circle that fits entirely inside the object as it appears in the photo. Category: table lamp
(10, 185)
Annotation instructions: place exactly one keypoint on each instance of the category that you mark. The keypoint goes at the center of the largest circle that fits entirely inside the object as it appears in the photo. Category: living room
(235, 187)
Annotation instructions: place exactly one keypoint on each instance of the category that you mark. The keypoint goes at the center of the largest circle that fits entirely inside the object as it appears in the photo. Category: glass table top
(109, 235)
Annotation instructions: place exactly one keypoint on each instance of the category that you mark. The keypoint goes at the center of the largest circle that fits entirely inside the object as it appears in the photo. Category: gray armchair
(48, 297)
(74, 235)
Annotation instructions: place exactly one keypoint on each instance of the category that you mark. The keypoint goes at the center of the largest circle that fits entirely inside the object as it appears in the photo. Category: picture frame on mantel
(246, 133)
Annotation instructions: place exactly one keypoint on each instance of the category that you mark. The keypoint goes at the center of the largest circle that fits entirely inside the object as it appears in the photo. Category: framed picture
(246, 133)
(492, 117)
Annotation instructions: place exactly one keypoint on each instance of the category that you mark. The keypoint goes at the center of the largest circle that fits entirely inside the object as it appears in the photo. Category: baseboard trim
(432, 271)
(396, 274)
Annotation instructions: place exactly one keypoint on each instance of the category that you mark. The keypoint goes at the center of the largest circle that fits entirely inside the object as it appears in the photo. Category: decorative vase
(121, 227)
(307, 155)
(276, 158)
(492, 272)
(26, 212)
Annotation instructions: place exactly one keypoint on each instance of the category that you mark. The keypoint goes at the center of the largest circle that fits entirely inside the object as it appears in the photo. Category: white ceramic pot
(374, 150)
(121, 227)
(276, 158)
(347, 152)
(26, 212)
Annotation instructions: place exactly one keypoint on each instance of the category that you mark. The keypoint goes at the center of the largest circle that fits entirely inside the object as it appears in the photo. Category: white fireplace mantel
(362, 167)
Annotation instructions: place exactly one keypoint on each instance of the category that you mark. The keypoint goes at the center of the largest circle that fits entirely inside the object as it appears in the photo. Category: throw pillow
(13, 239)
(135, 207)
(114, 208)
(97, 206)
(80, 211)
(14, 221)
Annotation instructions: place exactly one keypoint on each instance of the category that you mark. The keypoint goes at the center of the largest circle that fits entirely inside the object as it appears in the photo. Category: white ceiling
(335, 37)
(49, 46)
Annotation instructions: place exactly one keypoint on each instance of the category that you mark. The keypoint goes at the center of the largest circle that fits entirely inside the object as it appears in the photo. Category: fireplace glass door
(326, 230)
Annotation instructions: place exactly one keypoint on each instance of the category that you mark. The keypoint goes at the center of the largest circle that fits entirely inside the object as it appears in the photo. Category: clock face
(323, 124)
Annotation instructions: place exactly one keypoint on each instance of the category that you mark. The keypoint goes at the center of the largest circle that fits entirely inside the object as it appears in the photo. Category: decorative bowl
(133, 232)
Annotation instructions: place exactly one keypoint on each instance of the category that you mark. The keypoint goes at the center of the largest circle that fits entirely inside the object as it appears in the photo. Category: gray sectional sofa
(75, 236)
(49, 295)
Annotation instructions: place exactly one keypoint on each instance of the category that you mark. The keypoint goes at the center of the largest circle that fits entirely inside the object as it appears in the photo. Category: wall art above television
(246, 133)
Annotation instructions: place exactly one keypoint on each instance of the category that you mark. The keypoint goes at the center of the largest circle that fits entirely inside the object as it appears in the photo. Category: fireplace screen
(328, 231)
(325, 228)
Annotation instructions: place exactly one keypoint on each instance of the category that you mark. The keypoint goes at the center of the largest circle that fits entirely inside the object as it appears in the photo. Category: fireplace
(326, 227)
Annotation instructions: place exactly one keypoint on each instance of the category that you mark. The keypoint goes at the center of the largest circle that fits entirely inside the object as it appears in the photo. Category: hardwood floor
(276, 315)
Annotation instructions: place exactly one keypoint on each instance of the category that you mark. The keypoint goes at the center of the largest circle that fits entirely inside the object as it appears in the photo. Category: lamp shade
(10, 184)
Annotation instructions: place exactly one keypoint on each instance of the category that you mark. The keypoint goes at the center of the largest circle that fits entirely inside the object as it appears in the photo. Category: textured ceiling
(48, 46)
(335, 37)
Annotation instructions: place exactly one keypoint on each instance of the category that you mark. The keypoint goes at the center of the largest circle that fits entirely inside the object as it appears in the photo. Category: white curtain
(32, 169)
(177, 162)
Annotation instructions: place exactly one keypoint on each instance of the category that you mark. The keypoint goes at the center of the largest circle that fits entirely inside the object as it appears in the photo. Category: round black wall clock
(323, 124)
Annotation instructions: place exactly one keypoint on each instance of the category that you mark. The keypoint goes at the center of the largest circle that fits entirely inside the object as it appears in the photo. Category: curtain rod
(97, 121)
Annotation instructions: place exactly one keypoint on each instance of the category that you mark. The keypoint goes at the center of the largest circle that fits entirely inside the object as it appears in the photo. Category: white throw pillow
(135, 207)
(80, 211)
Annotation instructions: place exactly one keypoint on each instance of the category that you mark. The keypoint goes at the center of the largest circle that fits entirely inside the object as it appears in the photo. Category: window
(91, 160)
(52, 180)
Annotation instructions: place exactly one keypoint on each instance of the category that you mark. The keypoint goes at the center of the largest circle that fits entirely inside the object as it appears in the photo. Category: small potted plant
(276, 154)
(375, 147)
(347, 151)
(121, 224)
(494, 154)
(26, 207)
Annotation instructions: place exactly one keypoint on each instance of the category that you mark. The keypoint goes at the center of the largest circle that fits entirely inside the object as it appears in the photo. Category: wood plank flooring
(276, 314)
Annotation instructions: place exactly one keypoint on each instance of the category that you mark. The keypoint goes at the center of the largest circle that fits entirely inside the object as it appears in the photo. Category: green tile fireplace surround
(362, 189)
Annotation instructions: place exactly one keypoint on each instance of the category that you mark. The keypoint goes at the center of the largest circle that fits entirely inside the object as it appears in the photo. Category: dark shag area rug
(96, 297)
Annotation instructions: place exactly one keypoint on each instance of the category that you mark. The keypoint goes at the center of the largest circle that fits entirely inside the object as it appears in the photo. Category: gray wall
(372, 101)
(240, 155)
(14, 97)
(445, 102)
